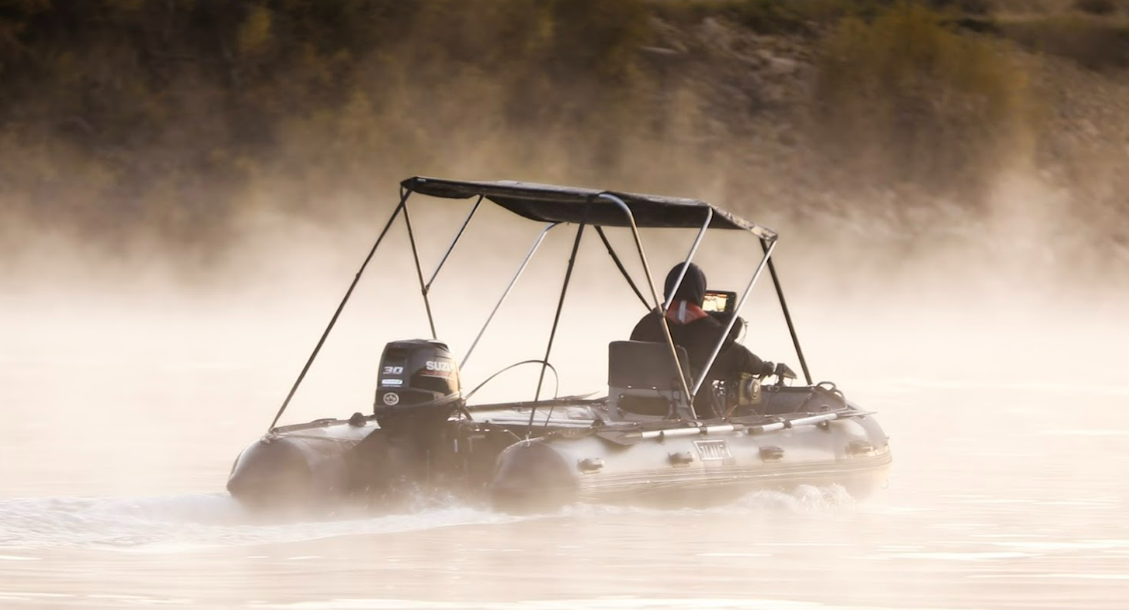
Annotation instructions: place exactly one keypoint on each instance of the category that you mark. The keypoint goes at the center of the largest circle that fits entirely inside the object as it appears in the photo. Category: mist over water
(129, 386)
(181, 210)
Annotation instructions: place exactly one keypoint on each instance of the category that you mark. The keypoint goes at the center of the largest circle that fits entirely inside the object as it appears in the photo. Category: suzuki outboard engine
(418, 387)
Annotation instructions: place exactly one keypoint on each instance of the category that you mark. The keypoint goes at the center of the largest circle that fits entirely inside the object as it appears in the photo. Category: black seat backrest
(642, 364)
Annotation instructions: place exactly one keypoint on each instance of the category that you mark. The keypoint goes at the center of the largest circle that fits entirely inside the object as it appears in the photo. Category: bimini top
(548, 203)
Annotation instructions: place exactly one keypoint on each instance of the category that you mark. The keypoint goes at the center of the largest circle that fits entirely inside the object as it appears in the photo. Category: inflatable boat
(648, 438)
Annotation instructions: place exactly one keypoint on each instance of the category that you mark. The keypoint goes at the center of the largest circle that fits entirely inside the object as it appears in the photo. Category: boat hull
(573, 460)
(690, 470)
(299, 464)
(330, 460)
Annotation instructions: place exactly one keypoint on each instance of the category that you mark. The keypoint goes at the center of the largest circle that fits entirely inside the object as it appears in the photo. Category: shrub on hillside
(158, 102)
(766, 17)
(1093, 42)
(967, 7)
(903, 99)
(1096, 7)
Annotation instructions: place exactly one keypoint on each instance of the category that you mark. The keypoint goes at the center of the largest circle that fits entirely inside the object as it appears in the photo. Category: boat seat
(643, 382)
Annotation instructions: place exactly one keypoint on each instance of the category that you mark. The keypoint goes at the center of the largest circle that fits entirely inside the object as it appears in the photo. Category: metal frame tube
(348, 293)
(454, 242)
(619, 265)
(553, 331)
(655, 296)
(787, 316)
(689, 257)
(732, 320)
(792, 423)
(419, 273)
(697, 431)
(506, 293)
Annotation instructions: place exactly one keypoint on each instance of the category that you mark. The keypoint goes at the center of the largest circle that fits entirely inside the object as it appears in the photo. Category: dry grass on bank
(1098, 43)
(175, 118)
(905, 98)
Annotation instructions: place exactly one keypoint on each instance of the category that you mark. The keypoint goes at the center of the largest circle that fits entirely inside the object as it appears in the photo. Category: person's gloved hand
(783, 371)
(767, 368)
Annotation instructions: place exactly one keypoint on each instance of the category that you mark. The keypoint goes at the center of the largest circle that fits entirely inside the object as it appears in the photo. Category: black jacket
(698, 338)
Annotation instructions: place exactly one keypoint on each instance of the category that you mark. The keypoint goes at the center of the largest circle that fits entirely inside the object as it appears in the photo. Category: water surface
(1009, 488)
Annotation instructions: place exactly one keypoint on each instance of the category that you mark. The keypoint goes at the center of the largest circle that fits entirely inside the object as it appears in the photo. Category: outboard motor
(418, 387)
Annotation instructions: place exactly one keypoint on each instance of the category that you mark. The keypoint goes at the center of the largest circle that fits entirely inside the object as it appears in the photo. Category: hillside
(177, 118)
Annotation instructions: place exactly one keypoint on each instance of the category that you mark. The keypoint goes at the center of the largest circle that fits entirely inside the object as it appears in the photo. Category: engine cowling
(418, 386)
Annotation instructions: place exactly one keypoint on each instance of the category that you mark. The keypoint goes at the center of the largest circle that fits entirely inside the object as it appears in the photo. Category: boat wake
(804, 499)
(198, 522)
(203, 521)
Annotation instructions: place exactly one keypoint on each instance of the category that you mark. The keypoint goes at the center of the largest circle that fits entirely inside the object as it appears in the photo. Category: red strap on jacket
(684, 312)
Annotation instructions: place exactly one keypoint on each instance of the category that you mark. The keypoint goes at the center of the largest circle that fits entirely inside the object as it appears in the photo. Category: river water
(1009, 489)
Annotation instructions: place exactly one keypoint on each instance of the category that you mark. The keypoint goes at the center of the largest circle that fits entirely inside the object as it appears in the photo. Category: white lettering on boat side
(713, 450)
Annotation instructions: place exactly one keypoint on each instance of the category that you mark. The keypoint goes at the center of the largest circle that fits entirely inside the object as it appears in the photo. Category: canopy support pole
(619, 265)
(733, 319)
(556, 321)
(787, 315)
(454, 242)
(419, 273)
(506, 292)
(689, 257)
(401, 207)
(655, 295)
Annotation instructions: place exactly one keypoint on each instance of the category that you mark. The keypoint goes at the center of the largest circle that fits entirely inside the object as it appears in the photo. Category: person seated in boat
(698, 333)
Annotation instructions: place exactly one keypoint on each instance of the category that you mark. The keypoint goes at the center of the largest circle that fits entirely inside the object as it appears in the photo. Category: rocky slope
(174, 120)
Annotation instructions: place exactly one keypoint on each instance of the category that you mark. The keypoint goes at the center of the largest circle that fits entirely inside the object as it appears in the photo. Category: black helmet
(693, 287)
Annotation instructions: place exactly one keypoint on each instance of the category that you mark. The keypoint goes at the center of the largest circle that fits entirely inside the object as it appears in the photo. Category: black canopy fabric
(548, 203)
